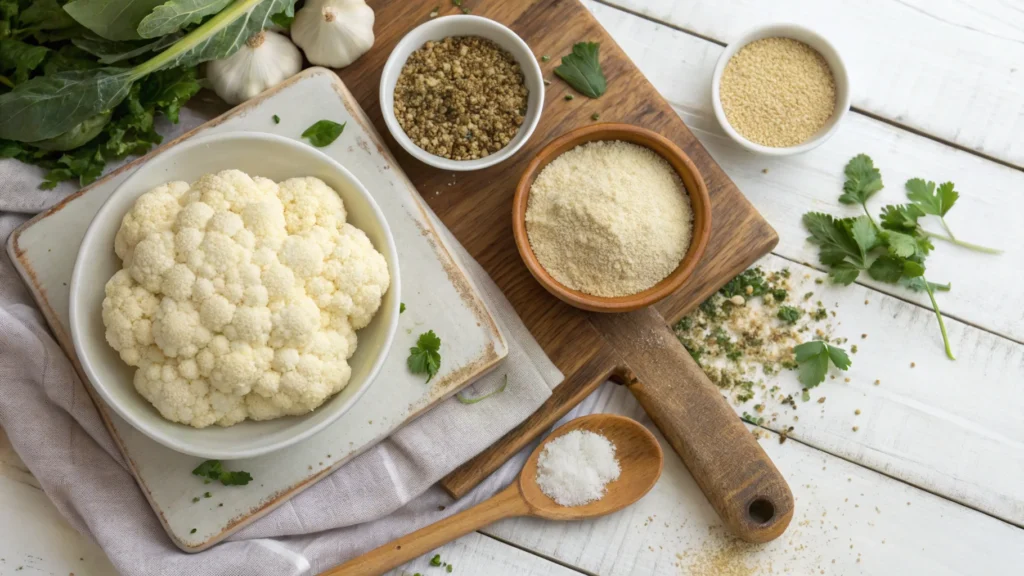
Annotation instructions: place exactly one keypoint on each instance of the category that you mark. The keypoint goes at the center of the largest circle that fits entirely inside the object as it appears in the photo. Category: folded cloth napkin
(57, 431)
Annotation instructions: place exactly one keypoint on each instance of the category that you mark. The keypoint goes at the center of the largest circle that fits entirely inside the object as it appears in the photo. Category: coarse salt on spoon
(640, 460)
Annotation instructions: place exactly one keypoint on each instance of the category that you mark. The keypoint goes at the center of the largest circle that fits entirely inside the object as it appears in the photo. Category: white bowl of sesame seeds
(780, 89)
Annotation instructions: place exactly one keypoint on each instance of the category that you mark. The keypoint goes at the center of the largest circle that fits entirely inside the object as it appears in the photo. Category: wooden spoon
(640, 461)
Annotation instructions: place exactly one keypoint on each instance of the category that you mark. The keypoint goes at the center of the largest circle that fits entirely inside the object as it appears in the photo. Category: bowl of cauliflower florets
(235, 295)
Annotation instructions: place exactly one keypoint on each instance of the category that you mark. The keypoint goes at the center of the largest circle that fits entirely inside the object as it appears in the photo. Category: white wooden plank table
(933, 482)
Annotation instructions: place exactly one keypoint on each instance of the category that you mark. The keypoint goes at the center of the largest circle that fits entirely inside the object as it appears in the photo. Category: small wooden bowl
(695, 187)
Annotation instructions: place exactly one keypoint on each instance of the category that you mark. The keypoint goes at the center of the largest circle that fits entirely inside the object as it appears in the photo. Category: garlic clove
(266, 60)
(333, 33)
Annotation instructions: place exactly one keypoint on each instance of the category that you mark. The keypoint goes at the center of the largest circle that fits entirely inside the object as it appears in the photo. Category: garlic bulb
(266, 60)
(333, 33)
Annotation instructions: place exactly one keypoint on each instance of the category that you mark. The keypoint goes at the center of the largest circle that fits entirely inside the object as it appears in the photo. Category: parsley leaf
(862, 181)
(582, 70)
(425, 356)
(813, 358)
(323, 132)
(436, 560)
(928, 199)
(213, 470)
(844, 244)
(789, 314)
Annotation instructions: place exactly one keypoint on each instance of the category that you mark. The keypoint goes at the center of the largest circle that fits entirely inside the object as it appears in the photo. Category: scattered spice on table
(591, 229)
(461, 98)
(574, 468)
(777, 92)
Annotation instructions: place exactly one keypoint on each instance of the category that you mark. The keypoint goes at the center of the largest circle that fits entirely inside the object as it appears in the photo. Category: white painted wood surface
(472, 347)
(952, 428)
(950, 69)
(848, 520)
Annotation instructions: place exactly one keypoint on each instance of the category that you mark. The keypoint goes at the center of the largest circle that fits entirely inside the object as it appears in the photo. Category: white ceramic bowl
(438, 29)
(256, 154)
(812, 39)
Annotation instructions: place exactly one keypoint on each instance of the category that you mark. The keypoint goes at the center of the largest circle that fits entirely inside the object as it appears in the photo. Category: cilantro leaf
(901, 217)
(582, 70)
(213, 470)
(886, 269)
(899, 244)
(323, 132)
(843, 244)
(928, 199)
(813, 358)
(843, 273)
(425, 356)
(862, 181)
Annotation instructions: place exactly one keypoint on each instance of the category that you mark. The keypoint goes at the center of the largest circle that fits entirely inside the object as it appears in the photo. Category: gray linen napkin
(384, 493)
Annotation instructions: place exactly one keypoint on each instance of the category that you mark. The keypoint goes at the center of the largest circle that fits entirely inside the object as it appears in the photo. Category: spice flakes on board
(461, 98)
(778, 92)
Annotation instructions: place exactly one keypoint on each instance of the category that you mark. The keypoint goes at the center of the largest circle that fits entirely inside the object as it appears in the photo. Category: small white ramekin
(438, 29)
(812, 39)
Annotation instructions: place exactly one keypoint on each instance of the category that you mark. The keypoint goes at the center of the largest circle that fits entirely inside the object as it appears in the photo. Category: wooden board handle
(505, 504)
(738, 478)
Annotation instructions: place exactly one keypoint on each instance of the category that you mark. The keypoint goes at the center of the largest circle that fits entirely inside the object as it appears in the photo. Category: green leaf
(901, 217)
(283, 20)
(886, 269)
(110, 52)
(864, 234)
(214, 470)
(918, 283)
(839, 358)
(835, 238)
(912, 269)
(843, 273)
(20, 58)
(899, 244)
(46, 15)
(813, 358)
(48, 106)
(323, 132)
(582, 70)
(208, 469)
(77, 136)
(173, 15)
(927, 198)
(238, 478)
(112, 19)
(862, 180)
(425, 356)
(499, 390)
(67, 58)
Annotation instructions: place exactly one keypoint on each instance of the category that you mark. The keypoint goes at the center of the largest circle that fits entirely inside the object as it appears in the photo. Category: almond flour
(609, 218)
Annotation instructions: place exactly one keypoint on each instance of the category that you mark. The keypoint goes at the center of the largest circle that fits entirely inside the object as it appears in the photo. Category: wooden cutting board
(477, 206)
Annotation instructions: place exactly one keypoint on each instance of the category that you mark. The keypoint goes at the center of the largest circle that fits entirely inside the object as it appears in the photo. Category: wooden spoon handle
(738, 478)
(507, 503)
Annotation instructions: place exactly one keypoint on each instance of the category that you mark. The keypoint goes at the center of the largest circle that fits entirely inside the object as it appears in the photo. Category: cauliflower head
(240, 297)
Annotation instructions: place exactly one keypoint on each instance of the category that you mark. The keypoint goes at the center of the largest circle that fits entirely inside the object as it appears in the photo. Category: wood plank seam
(551, 559)
(853, 109)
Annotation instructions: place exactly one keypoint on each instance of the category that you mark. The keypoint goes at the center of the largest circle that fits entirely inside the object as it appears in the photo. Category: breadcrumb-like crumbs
(461, 98)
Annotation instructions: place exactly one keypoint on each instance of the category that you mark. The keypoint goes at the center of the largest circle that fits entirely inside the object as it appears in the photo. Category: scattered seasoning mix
(777, 92)
(461, 98)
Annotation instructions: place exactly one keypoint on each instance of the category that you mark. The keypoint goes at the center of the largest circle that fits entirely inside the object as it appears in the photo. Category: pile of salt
(574, 468)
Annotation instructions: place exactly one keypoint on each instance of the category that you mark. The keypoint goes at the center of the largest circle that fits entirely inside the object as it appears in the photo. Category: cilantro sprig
(893, 251)
(582, 70)
(425, 356)
(813, 358)
(214, 470)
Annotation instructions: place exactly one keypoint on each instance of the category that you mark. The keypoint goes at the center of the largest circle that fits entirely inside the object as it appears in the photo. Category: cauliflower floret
(240, 298)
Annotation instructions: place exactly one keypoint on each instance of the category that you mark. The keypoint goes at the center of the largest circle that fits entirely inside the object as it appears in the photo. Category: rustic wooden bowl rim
(700, 202)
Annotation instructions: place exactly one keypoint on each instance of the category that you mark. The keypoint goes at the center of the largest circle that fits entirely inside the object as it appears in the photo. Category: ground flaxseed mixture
(461, 98)
(777, 92)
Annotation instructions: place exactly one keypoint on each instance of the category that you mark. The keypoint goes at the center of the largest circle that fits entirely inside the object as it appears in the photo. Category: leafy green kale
(582, 70)
(813, 358)
(213, 470)
(425, 356)
(323, 132)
